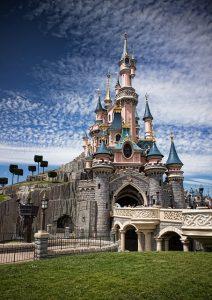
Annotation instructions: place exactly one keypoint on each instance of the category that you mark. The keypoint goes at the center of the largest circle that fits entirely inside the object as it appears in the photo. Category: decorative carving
(173, 215)
(198, 220)
(136, 213)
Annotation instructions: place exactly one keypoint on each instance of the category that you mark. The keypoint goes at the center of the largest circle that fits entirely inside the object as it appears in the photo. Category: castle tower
(175, 176)
(155, 169)
(99, 109)
(126, 95)
(102, 170)
(148, 122)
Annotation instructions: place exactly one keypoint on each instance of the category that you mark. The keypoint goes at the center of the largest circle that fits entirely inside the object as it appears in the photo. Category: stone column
(185, 245)
(166, 243)
(140, 246)
(148, 240)
(41, 244)
(159, 244)
(122, 240)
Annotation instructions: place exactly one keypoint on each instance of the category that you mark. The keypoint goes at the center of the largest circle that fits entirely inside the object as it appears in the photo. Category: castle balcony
(145, 217)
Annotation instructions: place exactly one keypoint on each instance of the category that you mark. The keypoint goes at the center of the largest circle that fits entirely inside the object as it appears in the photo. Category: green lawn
(164, 275)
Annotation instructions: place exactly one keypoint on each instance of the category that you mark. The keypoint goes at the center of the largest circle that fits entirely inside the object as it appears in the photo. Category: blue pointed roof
(99, 106)
(103, 149)
(154, 151)
(147, 113)
(173, 158)
(117, 122)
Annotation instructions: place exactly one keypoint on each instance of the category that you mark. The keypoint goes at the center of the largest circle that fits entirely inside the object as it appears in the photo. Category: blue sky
(55, 54)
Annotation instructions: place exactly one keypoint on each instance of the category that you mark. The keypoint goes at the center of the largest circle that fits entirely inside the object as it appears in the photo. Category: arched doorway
(63, 222)
(129, 196)
(131, 240)
(172, 242)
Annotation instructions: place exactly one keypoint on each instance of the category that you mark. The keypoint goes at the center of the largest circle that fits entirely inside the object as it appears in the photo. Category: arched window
(99, 185)
(127, 150)
(118, 137)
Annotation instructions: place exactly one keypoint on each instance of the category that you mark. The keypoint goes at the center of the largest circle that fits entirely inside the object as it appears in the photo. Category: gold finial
(107, 97)
(172, 136)
(146, 97)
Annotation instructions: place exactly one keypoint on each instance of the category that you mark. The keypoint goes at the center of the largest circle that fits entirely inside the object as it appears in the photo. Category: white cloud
(25, 155)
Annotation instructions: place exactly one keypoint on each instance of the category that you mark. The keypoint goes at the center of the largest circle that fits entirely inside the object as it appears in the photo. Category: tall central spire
(125, 50)
(108, 97)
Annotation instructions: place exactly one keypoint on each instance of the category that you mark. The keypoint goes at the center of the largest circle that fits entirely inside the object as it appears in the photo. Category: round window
(127, 149)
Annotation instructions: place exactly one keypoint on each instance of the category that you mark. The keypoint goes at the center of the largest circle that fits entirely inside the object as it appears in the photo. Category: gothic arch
(170, 229)
(143, 194)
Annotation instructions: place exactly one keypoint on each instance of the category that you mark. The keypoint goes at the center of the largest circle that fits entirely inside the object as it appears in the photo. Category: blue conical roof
(147, 113)
(173, 158)
(99, 106)
(117, 122)
(154, 151)
(103, 149)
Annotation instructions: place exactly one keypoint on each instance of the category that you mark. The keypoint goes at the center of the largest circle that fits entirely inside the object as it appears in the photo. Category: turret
(175, 176)
(99, 109)
(102, 170)
(116, 125)
(148, 122)
(127, 65)
(155, 169)
(126, 96)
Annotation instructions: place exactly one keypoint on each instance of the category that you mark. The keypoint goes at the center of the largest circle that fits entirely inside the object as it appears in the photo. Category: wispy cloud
(172, 43)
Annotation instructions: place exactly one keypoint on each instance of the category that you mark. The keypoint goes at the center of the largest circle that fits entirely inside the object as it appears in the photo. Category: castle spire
(125, 50)
(173, 158)
(108, 97)
(99, 104)
(147, 113)
(149, 135)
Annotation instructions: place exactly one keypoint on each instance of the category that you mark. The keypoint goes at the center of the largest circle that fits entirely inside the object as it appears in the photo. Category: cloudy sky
(55, 54)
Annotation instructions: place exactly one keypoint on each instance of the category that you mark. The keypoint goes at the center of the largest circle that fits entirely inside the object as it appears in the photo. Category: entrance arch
(128, 196)
(63, 222)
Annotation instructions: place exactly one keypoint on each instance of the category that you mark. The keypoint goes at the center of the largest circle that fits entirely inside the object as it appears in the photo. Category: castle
(120, 186)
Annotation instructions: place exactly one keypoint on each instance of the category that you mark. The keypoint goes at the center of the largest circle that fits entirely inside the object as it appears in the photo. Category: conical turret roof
(99, 105)
(103, 149)
(147, 113)
(173, 158)
(154, 151)
(125, 50)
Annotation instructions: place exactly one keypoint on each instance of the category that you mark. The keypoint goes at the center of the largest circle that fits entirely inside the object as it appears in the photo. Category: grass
(3, 197)
(164, 275)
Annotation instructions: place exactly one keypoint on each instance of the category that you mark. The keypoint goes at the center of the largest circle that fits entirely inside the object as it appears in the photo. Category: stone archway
(128, 196)
(63, 222)
(171, 239)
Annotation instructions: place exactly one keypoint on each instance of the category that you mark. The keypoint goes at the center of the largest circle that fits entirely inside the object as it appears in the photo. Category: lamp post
(44, 206)
(28, 211)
